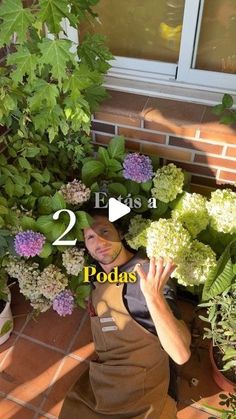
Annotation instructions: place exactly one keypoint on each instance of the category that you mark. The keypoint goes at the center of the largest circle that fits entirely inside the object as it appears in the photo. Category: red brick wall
(184, 133)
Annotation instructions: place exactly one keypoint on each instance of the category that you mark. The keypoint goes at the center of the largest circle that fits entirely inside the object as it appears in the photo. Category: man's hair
(103, 212)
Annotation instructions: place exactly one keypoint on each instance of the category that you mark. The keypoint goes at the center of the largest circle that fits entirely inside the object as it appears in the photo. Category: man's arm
(174, 335)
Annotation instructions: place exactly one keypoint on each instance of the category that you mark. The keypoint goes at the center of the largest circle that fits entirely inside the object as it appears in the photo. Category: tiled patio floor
(44, 357)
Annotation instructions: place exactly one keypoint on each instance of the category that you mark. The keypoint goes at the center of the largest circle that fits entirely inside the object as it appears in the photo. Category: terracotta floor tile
(70, 372)
(54, 330)
(20, 308)
(84, 346)
(7, 345)
(28, 370)
(191, 413)
(11, 410)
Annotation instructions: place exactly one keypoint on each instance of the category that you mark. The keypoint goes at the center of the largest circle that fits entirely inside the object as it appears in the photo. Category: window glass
(217, 42)
(147, 29)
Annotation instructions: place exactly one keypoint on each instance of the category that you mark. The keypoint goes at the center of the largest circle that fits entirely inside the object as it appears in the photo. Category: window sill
(167, 89)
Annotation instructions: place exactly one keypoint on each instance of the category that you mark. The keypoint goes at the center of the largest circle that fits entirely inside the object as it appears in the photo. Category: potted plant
(6, 319)
(227, 400)
(221, 314)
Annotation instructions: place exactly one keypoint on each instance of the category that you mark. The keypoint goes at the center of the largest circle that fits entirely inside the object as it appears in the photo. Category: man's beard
(106, 260)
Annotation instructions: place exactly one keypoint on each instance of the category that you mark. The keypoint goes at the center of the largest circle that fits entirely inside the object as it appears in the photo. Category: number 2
(59, 242)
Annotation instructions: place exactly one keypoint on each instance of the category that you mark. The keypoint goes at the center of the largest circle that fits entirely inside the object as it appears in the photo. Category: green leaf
(227, 101)
(15, 18)
(117, 189)
(45, 94)
(114, 165)
(218, 109)
(57, 54)
(28, 223)
(91, 170)
(45, 223)
(83, 220)
(38, 177)
(9, 187)
(6, 327)
(146, 186)
(45, 205)
(116, 147)
(58, 201)
(3, 210)
(46, 250)
(23, 162)
(24, 62)
(228, 119)
(52, 12)
(144, 206)
(32, 151)
(132, 187)
(220, 278)
(103, 156)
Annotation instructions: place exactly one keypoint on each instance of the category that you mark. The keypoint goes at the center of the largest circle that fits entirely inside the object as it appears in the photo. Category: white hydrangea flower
(42, 304)
(73, 260)
(137, 233)
(222, 210)
(191, 211)
(196, 263)
(167, 239)
(28, 276)
(168, 183)
(75, 192)
(52, 281)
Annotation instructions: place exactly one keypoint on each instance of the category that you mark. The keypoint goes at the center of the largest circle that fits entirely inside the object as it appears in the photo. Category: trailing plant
(225, 110)
(227, 400)
(221, 314)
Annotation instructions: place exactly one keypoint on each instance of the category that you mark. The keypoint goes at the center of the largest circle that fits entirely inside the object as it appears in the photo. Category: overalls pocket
(116, 388)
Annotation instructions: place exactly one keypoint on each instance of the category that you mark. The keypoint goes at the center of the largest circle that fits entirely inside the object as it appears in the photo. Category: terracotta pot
(6, 319)
(218, 377)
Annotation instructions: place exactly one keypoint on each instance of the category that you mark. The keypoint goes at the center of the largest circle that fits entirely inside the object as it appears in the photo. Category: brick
(103, 139)
(142, 135)
(118, 119)
(100, 126)
(215, 161)
(196, 145)
(212, 135)
(194, 168)
(212, 129)
(212, 183)
(166, 152)
(231, 151)
(132, 145)
(228, 176)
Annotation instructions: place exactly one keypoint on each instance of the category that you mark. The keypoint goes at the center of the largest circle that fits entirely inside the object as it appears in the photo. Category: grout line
(224, 151)
(18, 334)
(39, 342)
(167, 142)
(116, 130)
(173, 134)
(18, 401)
(62, 362)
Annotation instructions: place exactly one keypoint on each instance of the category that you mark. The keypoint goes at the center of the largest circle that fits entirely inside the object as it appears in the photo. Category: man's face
(103, 240)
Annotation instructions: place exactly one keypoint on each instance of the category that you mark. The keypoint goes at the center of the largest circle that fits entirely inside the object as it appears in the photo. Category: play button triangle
(116, 209)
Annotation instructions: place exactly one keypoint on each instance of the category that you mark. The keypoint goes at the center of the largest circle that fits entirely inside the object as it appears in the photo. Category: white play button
(116, 209)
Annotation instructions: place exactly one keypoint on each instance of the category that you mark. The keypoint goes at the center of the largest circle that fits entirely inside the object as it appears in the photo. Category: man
(135, 333)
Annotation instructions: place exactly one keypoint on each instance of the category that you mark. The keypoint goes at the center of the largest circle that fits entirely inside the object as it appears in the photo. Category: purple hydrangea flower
(28, 243)
(137, 167)
(63, 303)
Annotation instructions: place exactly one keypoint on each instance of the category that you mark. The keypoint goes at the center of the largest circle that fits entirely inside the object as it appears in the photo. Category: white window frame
(181, 73)
(170, 80)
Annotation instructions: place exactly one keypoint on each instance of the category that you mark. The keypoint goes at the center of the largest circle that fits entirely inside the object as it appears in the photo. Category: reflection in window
(217, 47)
(147, 29)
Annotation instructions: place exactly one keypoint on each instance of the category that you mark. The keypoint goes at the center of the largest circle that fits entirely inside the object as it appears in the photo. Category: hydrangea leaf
(116, 147)
(57, 54)
(15, 19)
(25, 63)
(53, 11)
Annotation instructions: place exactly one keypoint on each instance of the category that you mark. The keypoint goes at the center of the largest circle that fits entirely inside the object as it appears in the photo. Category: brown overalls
(131, 378)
